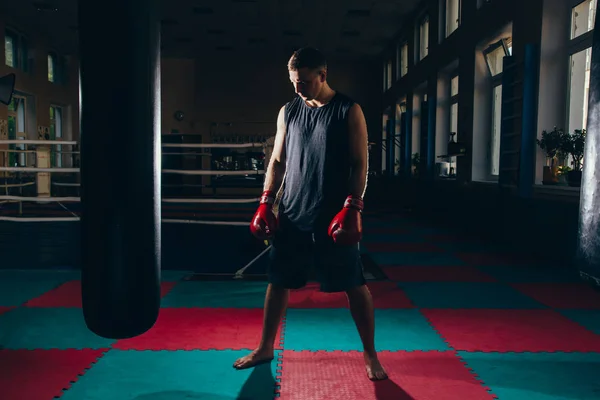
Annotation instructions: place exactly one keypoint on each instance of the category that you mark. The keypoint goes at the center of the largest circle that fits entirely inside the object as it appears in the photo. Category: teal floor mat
(225, 294)
(588, 318)
(47, 328)
(334, 329)
(538, 376)
(17, 287)
(467, 295)
(174, 375)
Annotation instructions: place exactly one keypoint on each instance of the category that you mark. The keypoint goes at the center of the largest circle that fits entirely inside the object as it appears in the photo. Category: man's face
(307, 82)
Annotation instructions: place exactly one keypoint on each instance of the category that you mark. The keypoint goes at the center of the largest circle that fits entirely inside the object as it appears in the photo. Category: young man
(321, 147)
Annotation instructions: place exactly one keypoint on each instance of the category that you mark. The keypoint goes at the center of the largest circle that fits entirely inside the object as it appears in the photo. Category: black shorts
(295, 254)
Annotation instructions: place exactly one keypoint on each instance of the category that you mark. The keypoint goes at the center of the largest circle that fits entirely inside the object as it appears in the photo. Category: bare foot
(257, 357)
(375, 370)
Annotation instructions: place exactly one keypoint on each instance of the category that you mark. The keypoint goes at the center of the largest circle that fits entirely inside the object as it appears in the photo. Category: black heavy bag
(588, 244)
(120, 171)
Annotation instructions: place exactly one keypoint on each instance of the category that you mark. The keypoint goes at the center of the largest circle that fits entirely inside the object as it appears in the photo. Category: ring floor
(456, 318)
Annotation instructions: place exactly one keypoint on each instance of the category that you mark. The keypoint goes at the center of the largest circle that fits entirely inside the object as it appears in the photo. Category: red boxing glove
(264, 222)
(346, 226)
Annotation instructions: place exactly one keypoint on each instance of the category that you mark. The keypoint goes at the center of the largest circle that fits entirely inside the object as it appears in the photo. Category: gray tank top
(317, 162)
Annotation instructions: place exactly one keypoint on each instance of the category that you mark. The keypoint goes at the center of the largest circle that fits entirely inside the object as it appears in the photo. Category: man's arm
(359, 151)
(276, 169)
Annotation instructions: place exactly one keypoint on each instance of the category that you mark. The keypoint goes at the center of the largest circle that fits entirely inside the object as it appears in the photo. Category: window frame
(419, 27)
(21, 47)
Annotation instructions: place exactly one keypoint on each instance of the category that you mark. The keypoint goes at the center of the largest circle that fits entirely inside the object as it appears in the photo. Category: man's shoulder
(345, 99)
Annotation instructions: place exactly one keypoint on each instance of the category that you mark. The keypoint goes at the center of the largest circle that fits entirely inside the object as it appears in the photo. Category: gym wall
(39, 93)
(248, 94)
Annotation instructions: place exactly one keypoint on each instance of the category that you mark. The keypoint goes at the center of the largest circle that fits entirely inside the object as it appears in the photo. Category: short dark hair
(307, 57)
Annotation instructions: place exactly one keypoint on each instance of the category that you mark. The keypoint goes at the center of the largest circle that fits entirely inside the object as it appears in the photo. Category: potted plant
(563, 172)
(551, 143)
(416, 162)
(574, 145)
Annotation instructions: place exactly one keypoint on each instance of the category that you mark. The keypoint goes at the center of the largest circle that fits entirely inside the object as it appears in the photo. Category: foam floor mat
(455, 318)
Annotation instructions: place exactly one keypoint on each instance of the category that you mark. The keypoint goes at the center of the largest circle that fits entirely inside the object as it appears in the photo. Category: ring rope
(193, 221)
(212, 145)
(52, 142)
(38, 219)
(42, 199)
(13, 185)
(212, 172)
(34, 169)
(78, 199)
(164, 171)
(66, 184)
(186, 154)
(198, 201)
(69, 219)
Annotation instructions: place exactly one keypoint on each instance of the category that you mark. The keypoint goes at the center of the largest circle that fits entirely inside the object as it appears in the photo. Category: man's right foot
(257, 357)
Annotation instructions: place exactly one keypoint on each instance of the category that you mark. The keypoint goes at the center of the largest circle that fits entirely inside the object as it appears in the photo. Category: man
(321, 148)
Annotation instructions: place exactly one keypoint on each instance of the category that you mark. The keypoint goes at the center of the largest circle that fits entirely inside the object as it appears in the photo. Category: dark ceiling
(346, 28)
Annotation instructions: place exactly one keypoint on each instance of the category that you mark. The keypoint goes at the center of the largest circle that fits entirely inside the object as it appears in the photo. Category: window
(423, 37)
(384, 140)
(387, 74)
(10, 50)
(398, 134)
(580, 54)
(579, 86)
(582, 18)
(494, 56)
(496, 125)
(454, 106)
(452, 16)
(402, 60)
(16, 130)
(56, 133)
(16, 50)
(51, 67)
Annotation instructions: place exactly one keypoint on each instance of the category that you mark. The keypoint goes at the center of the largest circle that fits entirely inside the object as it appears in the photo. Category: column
(588, 243)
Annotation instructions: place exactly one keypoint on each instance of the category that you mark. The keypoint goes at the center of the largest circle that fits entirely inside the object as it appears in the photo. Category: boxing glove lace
(346, 226)
(264, 222)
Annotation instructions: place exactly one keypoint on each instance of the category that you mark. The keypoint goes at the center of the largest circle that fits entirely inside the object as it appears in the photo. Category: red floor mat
(42, 374)
(5, 309)
(490, 330)
(562, 295)
(381, 247)
(446, 238)
(385, 295)
(412, 375)
(493, 259)
(68, 295)
(388, 295)
(201, 329)
(310, 297)
(436, 274)
(386, 231)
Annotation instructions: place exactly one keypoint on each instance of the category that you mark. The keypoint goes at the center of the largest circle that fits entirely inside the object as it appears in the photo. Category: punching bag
(120, 166)
(588, 244)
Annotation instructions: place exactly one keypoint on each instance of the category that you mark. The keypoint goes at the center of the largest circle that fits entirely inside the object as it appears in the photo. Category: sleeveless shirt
(317, 161)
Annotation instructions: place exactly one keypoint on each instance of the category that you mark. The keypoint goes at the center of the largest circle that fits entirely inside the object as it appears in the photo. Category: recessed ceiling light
(43, 6)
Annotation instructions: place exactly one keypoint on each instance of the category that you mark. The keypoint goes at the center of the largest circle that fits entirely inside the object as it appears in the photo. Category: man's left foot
(375, 370)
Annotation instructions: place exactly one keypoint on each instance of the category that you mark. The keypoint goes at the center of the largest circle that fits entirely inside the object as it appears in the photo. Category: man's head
(308, 72)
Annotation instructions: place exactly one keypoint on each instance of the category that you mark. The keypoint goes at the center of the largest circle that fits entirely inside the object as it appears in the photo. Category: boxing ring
(37, 194)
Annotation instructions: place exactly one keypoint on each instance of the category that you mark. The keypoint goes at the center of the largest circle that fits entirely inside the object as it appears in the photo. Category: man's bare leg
(361, 308)
(276, 301)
